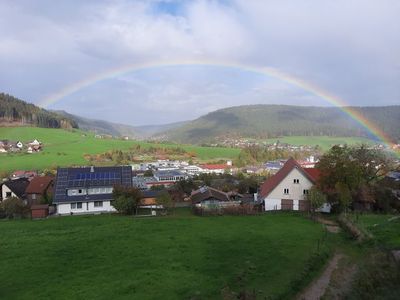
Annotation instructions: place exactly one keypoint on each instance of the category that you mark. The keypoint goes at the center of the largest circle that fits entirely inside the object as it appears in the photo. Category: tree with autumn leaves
(350, 174)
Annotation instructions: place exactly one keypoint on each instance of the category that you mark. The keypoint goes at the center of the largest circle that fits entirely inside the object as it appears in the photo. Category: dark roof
(206, 192)
(272, 182)
(86, 177)
(39, 185)
(18, 186)
(168, 173)
(151, 193)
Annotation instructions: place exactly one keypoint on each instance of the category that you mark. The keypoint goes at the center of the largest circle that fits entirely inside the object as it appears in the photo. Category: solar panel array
(89, 179)
(70, 178)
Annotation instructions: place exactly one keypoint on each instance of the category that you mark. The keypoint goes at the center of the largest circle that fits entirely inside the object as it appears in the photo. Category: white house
(14, 188)
(289, 187)
(88, 190)
(35, 143)
(217, 168)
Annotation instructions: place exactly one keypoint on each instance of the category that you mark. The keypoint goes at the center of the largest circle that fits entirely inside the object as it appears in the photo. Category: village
(7, 146)
(282, 184)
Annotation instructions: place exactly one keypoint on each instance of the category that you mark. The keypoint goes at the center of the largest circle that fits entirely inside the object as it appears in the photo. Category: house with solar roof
(88, 189)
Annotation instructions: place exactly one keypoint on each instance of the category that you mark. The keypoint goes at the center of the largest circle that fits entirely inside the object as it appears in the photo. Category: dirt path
(318, 287)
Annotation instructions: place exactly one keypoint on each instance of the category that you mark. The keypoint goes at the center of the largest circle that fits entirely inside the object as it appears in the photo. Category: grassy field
(64, 148)
(177, 257)
(384, 228)
(325, 142)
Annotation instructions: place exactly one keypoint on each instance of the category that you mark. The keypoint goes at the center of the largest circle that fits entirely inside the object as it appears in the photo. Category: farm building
(89, 189)
(289, 187)
(39, 211)
(39, 188)
(208, 197)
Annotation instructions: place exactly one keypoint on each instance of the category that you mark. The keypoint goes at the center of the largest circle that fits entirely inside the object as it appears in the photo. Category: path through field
(318, 287)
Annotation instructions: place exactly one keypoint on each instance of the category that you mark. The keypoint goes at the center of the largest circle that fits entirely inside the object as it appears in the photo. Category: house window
(33, 196)
(76, 205)
(305, 192)
(8, 194)
(286, 191)
(98, 203)
(296, 181)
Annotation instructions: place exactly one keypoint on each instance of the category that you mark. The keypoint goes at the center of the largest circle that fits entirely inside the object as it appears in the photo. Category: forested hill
(15, 112)
(265, 121)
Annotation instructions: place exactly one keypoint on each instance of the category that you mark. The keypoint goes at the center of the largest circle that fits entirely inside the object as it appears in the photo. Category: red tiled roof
(313, 172)
(38, 185)
(214, 166)
(271, 183)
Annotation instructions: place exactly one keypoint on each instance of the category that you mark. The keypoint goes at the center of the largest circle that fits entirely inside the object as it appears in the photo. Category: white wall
(272, 204)
(295, 189)
(273, 199)
(87, 208)
(6, 190)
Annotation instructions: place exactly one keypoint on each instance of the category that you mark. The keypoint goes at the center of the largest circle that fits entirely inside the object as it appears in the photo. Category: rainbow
(266, 71)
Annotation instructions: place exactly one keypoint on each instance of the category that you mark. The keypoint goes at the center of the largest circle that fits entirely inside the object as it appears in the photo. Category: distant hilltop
(270, 121)
(16, 112)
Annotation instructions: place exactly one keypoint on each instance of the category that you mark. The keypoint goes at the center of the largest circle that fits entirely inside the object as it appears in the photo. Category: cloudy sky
(349, 48)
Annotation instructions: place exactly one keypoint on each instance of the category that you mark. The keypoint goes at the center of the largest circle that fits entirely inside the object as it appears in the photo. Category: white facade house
(289, 187)
(88, 190)
(85, 207)
(193, 170)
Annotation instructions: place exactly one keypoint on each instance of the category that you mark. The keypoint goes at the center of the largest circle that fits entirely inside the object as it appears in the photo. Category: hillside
(101, 126)
(70, 147)
(116, 129)
(268, 121)
(16, 112)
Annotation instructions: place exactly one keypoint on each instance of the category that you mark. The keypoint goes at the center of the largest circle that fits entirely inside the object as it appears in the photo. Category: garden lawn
(66, 148)
(176, 257)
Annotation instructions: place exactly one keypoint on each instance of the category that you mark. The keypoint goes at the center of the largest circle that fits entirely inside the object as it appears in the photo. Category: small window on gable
(286, 191)
(296, 181)
(305, 192)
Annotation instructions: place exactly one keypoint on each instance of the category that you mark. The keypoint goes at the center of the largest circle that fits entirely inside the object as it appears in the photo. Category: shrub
(14, 208)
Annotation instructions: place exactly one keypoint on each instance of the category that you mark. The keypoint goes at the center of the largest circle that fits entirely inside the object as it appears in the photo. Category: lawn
(177, 257)
(325, 142)
(65, 148)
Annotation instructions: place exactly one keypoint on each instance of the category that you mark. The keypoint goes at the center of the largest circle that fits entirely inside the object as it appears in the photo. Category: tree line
(13, 110)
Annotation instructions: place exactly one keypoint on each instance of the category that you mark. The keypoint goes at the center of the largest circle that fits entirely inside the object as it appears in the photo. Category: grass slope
(179, 257)
(385, 229)
(64, 148)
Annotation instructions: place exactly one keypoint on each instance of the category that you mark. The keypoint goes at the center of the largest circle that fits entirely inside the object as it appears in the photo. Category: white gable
(295, 190)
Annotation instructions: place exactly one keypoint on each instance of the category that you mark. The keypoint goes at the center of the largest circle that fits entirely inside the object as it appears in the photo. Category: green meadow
(65, 148)
(175, 257)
